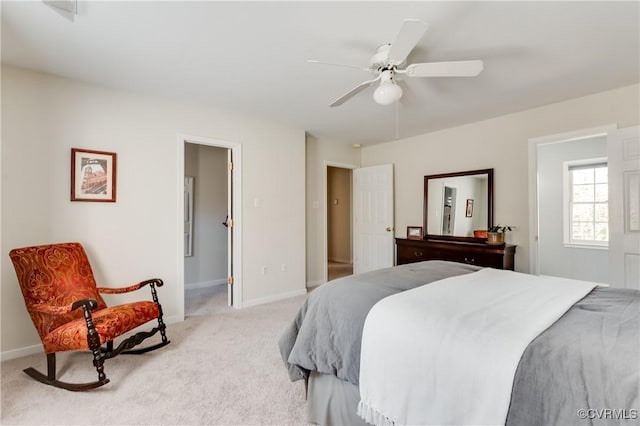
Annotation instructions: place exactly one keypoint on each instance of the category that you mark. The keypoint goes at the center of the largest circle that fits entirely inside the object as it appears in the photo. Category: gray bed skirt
(332, 401)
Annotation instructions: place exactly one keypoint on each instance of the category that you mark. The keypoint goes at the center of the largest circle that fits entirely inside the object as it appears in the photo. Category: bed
(582, 369)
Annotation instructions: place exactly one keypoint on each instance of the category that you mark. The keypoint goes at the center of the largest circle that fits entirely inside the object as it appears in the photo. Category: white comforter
(447, 352)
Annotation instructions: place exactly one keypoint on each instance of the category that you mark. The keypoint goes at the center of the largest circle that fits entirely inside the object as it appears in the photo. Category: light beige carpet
(222, 367)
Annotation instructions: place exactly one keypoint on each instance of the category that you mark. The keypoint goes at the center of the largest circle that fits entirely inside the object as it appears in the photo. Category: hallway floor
(339, 270)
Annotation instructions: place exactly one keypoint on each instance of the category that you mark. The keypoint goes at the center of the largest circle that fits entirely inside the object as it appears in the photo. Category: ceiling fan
(389, 62)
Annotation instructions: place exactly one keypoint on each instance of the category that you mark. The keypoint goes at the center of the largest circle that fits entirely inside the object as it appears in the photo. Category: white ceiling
(250, 58)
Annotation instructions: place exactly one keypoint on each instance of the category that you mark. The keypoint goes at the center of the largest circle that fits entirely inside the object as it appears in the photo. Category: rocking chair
(55, 281)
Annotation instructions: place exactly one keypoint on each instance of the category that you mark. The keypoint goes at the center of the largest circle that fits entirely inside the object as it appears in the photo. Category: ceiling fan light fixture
(388, 92)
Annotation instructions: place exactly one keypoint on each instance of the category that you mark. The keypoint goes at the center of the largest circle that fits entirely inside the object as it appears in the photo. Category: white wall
(500, 143)
(208, 264)
(320, 151)
(43, 117)
(554, 258)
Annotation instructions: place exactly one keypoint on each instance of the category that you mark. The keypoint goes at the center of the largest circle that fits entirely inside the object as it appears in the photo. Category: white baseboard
(20, 352)
(172, 319)
(274, 298)
(339, 260)
(205, 284)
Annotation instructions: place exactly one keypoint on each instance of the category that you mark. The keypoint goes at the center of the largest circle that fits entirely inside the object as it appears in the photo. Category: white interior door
(230, 227)
(373, 218)
(623, 151)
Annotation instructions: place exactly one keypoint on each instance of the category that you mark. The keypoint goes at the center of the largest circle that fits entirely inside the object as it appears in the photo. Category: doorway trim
(534, 143)
(325, 219)
(236, 175)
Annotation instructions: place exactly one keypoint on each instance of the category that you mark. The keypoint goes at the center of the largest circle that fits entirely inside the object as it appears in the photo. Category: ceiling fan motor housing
(381, 57)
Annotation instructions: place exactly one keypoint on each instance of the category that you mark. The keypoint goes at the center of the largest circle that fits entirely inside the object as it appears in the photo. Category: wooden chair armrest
(57, 310)
(87, 304)
(153, 282)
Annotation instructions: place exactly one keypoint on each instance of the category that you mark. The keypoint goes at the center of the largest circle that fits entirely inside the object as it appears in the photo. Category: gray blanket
(588, 359)
(326, 334)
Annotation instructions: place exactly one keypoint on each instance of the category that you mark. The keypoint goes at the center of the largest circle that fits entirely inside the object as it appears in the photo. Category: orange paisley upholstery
(52, 278)
(110, 323)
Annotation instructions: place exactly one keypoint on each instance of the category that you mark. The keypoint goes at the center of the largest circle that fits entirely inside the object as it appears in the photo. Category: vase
(495, 238)
(480, 233)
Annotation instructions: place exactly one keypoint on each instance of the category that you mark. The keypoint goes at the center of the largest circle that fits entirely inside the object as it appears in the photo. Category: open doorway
(570, 227)
(449, 210)
(210, 258)
(206, 219)
(339, 214)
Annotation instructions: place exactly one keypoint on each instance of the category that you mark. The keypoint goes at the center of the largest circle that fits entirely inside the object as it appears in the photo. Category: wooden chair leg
(93, 341)
(140, 337)
(161, 324)
(162, 327)
(51, 366)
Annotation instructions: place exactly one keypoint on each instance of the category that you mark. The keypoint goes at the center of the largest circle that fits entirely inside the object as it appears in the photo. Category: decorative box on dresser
(474, 253)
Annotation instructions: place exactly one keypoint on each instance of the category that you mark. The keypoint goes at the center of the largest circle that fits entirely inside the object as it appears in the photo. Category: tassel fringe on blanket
(372, 416)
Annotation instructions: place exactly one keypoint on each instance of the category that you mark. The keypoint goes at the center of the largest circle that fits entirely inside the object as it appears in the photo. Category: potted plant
(495, 234)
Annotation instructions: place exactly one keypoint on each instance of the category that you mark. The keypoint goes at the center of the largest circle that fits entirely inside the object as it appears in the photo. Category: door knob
(389, 229)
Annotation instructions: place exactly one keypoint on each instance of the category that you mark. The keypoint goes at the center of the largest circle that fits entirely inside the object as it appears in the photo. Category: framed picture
(93, 175)
(469, 211)
(414, 232)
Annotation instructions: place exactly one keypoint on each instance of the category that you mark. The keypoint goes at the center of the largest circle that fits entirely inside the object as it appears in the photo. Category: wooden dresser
(480, 254)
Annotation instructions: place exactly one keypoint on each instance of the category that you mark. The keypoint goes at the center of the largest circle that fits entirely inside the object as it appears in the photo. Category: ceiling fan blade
(351, 93)
(313, 61)
(445, 69)
(65, 8)
(410, 34)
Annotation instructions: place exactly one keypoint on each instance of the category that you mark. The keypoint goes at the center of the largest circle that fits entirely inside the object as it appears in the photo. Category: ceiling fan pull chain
(397, 126)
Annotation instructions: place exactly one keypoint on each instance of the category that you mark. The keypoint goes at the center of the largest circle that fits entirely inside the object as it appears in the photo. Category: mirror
(188, 216)
(457, 204)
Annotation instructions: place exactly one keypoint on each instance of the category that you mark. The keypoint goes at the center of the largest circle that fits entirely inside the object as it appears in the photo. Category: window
(587, 193)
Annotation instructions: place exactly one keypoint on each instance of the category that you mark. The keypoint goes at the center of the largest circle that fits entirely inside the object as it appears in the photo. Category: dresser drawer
(480, 259)
(410, 254)
(409, 251)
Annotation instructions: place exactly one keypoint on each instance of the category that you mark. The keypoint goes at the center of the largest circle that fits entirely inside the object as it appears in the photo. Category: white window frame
(567, 191)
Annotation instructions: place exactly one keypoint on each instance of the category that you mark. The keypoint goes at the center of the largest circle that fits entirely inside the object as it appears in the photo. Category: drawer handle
(417, 253)
(472, 260)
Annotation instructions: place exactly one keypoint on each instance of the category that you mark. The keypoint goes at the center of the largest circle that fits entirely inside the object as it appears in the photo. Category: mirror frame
(489, 173)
